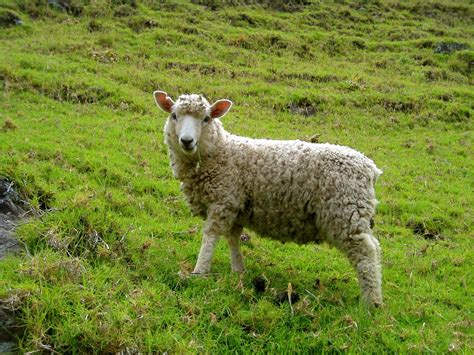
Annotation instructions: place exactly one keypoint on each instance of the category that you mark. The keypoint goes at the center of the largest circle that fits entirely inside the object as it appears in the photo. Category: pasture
(105, 263)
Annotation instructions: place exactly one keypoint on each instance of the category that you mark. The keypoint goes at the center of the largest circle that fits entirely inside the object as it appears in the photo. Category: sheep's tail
(377, 173)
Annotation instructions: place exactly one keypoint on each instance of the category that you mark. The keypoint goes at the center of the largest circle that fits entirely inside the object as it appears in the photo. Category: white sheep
(285, 190)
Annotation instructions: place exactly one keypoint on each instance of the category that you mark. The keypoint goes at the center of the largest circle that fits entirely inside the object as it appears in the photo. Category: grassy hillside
(104, 269)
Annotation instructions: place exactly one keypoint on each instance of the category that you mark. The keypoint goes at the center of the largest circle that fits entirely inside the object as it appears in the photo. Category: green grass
(81, 137)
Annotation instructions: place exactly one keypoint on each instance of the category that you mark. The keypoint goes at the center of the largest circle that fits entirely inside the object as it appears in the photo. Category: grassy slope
(85, 139)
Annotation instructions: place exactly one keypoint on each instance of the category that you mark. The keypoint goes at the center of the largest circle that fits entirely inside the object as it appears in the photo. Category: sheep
(285, 190)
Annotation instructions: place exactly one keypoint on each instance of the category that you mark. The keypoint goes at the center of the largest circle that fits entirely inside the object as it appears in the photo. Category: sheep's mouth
(189, 150)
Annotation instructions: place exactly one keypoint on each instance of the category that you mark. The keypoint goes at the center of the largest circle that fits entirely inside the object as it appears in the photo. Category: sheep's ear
(220, 108)
(163, 101)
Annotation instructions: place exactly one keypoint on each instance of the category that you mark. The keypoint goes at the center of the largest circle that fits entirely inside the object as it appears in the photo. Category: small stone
(244, 238)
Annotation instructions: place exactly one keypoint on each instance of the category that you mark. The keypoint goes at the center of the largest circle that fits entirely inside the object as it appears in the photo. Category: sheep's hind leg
(236, 260)
(363, 251)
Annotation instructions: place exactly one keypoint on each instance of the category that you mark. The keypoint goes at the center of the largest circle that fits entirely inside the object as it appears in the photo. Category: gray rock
(448, 48)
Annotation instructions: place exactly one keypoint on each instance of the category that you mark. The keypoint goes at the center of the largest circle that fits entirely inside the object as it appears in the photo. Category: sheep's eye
(173, 116)
(207, 119)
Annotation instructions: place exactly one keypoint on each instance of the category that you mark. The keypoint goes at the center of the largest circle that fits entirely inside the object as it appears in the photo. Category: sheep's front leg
(215, 227)
(236, 260)
(203, 264)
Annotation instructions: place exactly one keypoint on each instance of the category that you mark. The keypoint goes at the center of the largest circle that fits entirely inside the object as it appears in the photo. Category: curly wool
(192, 104)
(284, 190)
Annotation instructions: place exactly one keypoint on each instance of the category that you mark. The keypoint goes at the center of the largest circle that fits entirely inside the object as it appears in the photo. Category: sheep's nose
(187, 141)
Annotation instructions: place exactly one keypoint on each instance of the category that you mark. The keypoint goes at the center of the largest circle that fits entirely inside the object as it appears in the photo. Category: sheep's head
(190, 117)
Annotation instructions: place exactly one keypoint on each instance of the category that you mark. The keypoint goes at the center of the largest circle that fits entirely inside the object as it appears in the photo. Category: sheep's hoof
(238, 270)
(196, 273)
(374, 304)
(377, 304)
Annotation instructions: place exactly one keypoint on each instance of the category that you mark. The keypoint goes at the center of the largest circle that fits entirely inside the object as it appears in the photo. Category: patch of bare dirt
(12, 210)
